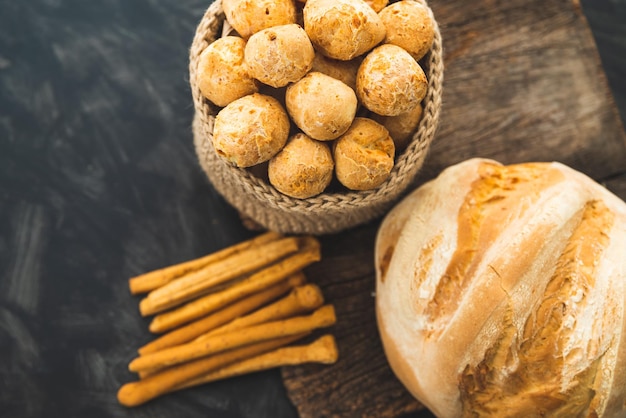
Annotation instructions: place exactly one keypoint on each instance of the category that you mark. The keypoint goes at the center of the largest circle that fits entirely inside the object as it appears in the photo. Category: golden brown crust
(222, 74)
(390, 82)
(364, 155)
(250, 130)
(547, 334)
(249, 17)
(342, 29)
(410, 26)
(401, 127)
(279, 55)
(323, 107)
(303, 168)
(344, 71)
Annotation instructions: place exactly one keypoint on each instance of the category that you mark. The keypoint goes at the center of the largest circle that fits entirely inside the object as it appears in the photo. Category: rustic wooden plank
(606, 19)
(523, 82)
(360, 383)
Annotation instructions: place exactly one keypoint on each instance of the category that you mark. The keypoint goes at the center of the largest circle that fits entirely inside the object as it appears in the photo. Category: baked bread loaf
(500, 291)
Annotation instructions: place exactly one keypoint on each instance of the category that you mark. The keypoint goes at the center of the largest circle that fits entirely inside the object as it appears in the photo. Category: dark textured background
(99, 182)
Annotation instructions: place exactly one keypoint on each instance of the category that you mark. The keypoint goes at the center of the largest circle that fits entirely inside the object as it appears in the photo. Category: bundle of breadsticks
(231, 312)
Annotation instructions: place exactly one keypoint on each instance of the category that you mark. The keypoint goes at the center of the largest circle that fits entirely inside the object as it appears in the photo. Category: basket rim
(404, 166)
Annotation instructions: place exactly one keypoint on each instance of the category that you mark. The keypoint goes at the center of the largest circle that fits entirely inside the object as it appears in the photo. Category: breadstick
(301, 300)
(149, 281)
(137, 393)
(195, 329)
(323, 350)
(146, 373)
(323, 317)
(199, 282)
(255, 283)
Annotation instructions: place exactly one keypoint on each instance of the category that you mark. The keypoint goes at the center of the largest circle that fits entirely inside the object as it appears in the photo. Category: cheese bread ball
(409, 25)
(303, 168)
(342, 29)
(279, 55)
(321, 106)
(364, 155)
(390, 81)
(250, 130)
(401, 127)
(250, 16)
(344, 71)
(222, 75)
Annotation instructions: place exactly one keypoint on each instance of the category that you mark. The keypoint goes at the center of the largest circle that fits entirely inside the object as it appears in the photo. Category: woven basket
(326, 213)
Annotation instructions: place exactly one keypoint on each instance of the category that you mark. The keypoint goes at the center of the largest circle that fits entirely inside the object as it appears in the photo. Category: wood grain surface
(523, 82)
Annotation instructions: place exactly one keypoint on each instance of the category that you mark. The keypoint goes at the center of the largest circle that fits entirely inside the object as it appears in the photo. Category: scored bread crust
(501, 290)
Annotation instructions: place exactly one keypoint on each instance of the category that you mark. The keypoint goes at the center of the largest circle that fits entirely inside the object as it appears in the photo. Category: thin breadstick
(146, 373)
(301, 300)
(228, 314)
(323, 350)
(255, 283)
(142, 391)
(147, 282)
(199, 282)
(323, 317)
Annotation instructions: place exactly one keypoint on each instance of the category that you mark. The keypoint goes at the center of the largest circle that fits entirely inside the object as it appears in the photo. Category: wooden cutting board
(523, 82)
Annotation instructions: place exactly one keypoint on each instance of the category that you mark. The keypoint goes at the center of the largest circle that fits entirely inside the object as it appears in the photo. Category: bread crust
(502, 288)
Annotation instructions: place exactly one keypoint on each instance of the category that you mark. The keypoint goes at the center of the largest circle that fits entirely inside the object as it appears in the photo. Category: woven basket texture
(326, 213)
